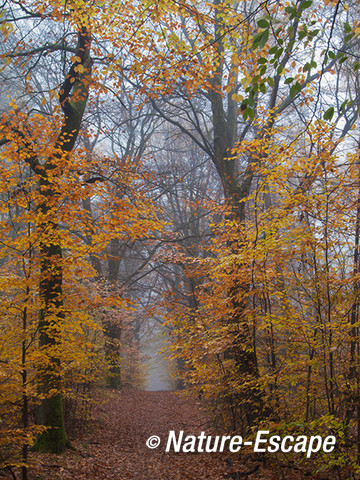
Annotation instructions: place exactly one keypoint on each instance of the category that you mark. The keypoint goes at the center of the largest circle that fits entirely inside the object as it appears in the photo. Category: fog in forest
(158, 368)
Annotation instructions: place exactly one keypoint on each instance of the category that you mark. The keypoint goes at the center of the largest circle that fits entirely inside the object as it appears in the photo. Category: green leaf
(329, 113)
(305, 4)
(249, 113)
(262, 23)
(343, 106)
(289, 80)
(295, 89)
(313, 33)
(251, 99)
(257, 38)
(290, 10)
(347, 28)
(279, 52)
(347, 104)
(264, 38)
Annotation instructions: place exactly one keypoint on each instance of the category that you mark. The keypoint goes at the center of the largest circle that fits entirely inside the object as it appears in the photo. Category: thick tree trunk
(53, 440)
(73, 98)
(51, 315)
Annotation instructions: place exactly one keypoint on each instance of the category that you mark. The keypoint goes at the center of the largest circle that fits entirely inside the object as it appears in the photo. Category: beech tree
(42, 126)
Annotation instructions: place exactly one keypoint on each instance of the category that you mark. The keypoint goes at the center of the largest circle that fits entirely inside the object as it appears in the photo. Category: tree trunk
(225, 136)
(73, 98)
(51, 316)
(112, 328)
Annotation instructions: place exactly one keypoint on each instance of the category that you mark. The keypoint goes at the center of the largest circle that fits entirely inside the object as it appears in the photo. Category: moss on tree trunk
(53, 439)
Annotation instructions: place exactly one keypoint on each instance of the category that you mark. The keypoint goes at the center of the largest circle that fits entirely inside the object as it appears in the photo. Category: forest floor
(115, 447)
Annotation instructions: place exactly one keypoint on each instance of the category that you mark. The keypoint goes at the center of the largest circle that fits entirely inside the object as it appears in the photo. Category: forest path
(116, 449)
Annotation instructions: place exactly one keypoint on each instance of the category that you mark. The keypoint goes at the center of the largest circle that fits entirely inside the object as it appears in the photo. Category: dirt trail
(116, 450)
